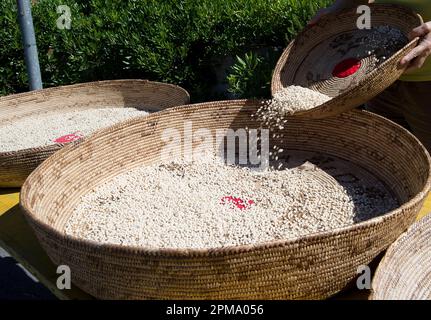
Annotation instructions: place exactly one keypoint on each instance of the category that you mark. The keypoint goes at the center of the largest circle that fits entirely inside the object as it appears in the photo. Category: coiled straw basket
(15, 166)
(310, 59)
(315, 266)
(405, 271)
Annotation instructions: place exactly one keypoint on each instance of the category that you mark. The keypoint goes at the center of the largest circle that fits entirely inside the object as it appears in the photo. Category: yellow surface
(18, 239)
(426, 209)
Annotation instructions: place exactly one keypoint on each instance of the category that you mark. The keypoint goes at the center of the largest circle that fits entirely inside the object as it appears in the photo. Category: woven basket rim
(359, 84)
(199, 252)
(333, 16)
(90, 84)
(398, 246)
(57, 146)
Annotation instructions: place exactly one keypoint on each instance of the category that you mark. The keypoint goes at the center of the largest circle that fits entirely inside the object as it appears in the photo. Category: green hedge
(176, 41)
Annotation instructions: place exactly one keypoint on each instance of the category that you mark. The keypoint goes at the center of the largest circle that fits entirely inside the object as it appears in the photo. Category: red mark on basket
(69, 137)
(237, 202)
(346, 68)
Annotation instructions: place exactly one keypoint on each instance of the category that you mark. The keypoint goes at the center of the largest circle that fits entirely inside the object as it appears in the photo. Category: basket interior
(392, 154)
(313, 56)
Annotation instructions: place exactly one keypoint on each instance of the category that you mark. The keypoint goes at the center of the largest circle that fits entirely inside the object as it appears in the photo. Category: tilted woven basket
(405, 271)
(15, 166)
(315, 266)
(310, 60)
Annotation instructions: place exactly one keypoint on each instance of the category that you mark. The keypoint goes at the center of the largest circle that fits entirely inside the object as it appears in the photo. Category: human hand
(416, 58)
(337, 6)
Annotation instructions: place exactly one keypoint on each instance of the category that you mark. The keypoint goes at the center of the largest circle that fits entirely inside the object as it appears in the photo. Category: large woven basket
(15, 166)
(405, 271)
(309, 60)
(315, 266)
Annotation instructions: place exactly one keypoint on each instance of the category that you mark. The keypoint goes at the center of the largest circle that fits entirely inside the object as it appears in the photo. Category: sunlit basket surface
(314, 266)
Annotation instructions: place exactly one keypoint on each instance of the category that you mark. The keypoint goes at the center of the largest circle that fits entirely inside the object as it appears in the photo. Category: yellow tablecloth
(18, 239)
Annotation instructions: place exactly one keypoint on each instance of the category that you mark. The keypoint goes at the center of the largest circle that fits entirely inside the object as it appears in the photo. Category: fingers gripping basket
(15, 166)
(315, 266)
(310, 60)
(405, 271)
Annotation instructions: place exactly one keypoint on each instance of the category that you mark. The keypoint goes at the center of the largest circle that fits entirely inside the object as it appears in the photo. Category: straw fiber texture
(315, 266)
(17, 165)
(405, 271)
(310, 59)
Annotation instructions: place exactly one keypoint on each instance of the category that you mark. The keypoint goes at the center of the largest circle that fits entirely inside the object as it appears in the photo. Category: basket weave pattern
(315, 266)
(304, 63)
(16, 166)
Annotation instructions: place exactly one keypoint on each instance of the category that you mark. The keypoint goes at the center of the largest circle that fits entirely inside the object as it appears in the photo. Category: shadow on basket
(313, 266)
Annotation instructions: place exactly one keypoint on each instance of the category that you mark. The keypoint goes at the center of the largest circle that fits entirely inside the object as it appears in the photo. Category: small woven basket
(405, 271)
(310, 60)
(15, 166)
(310, 267)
